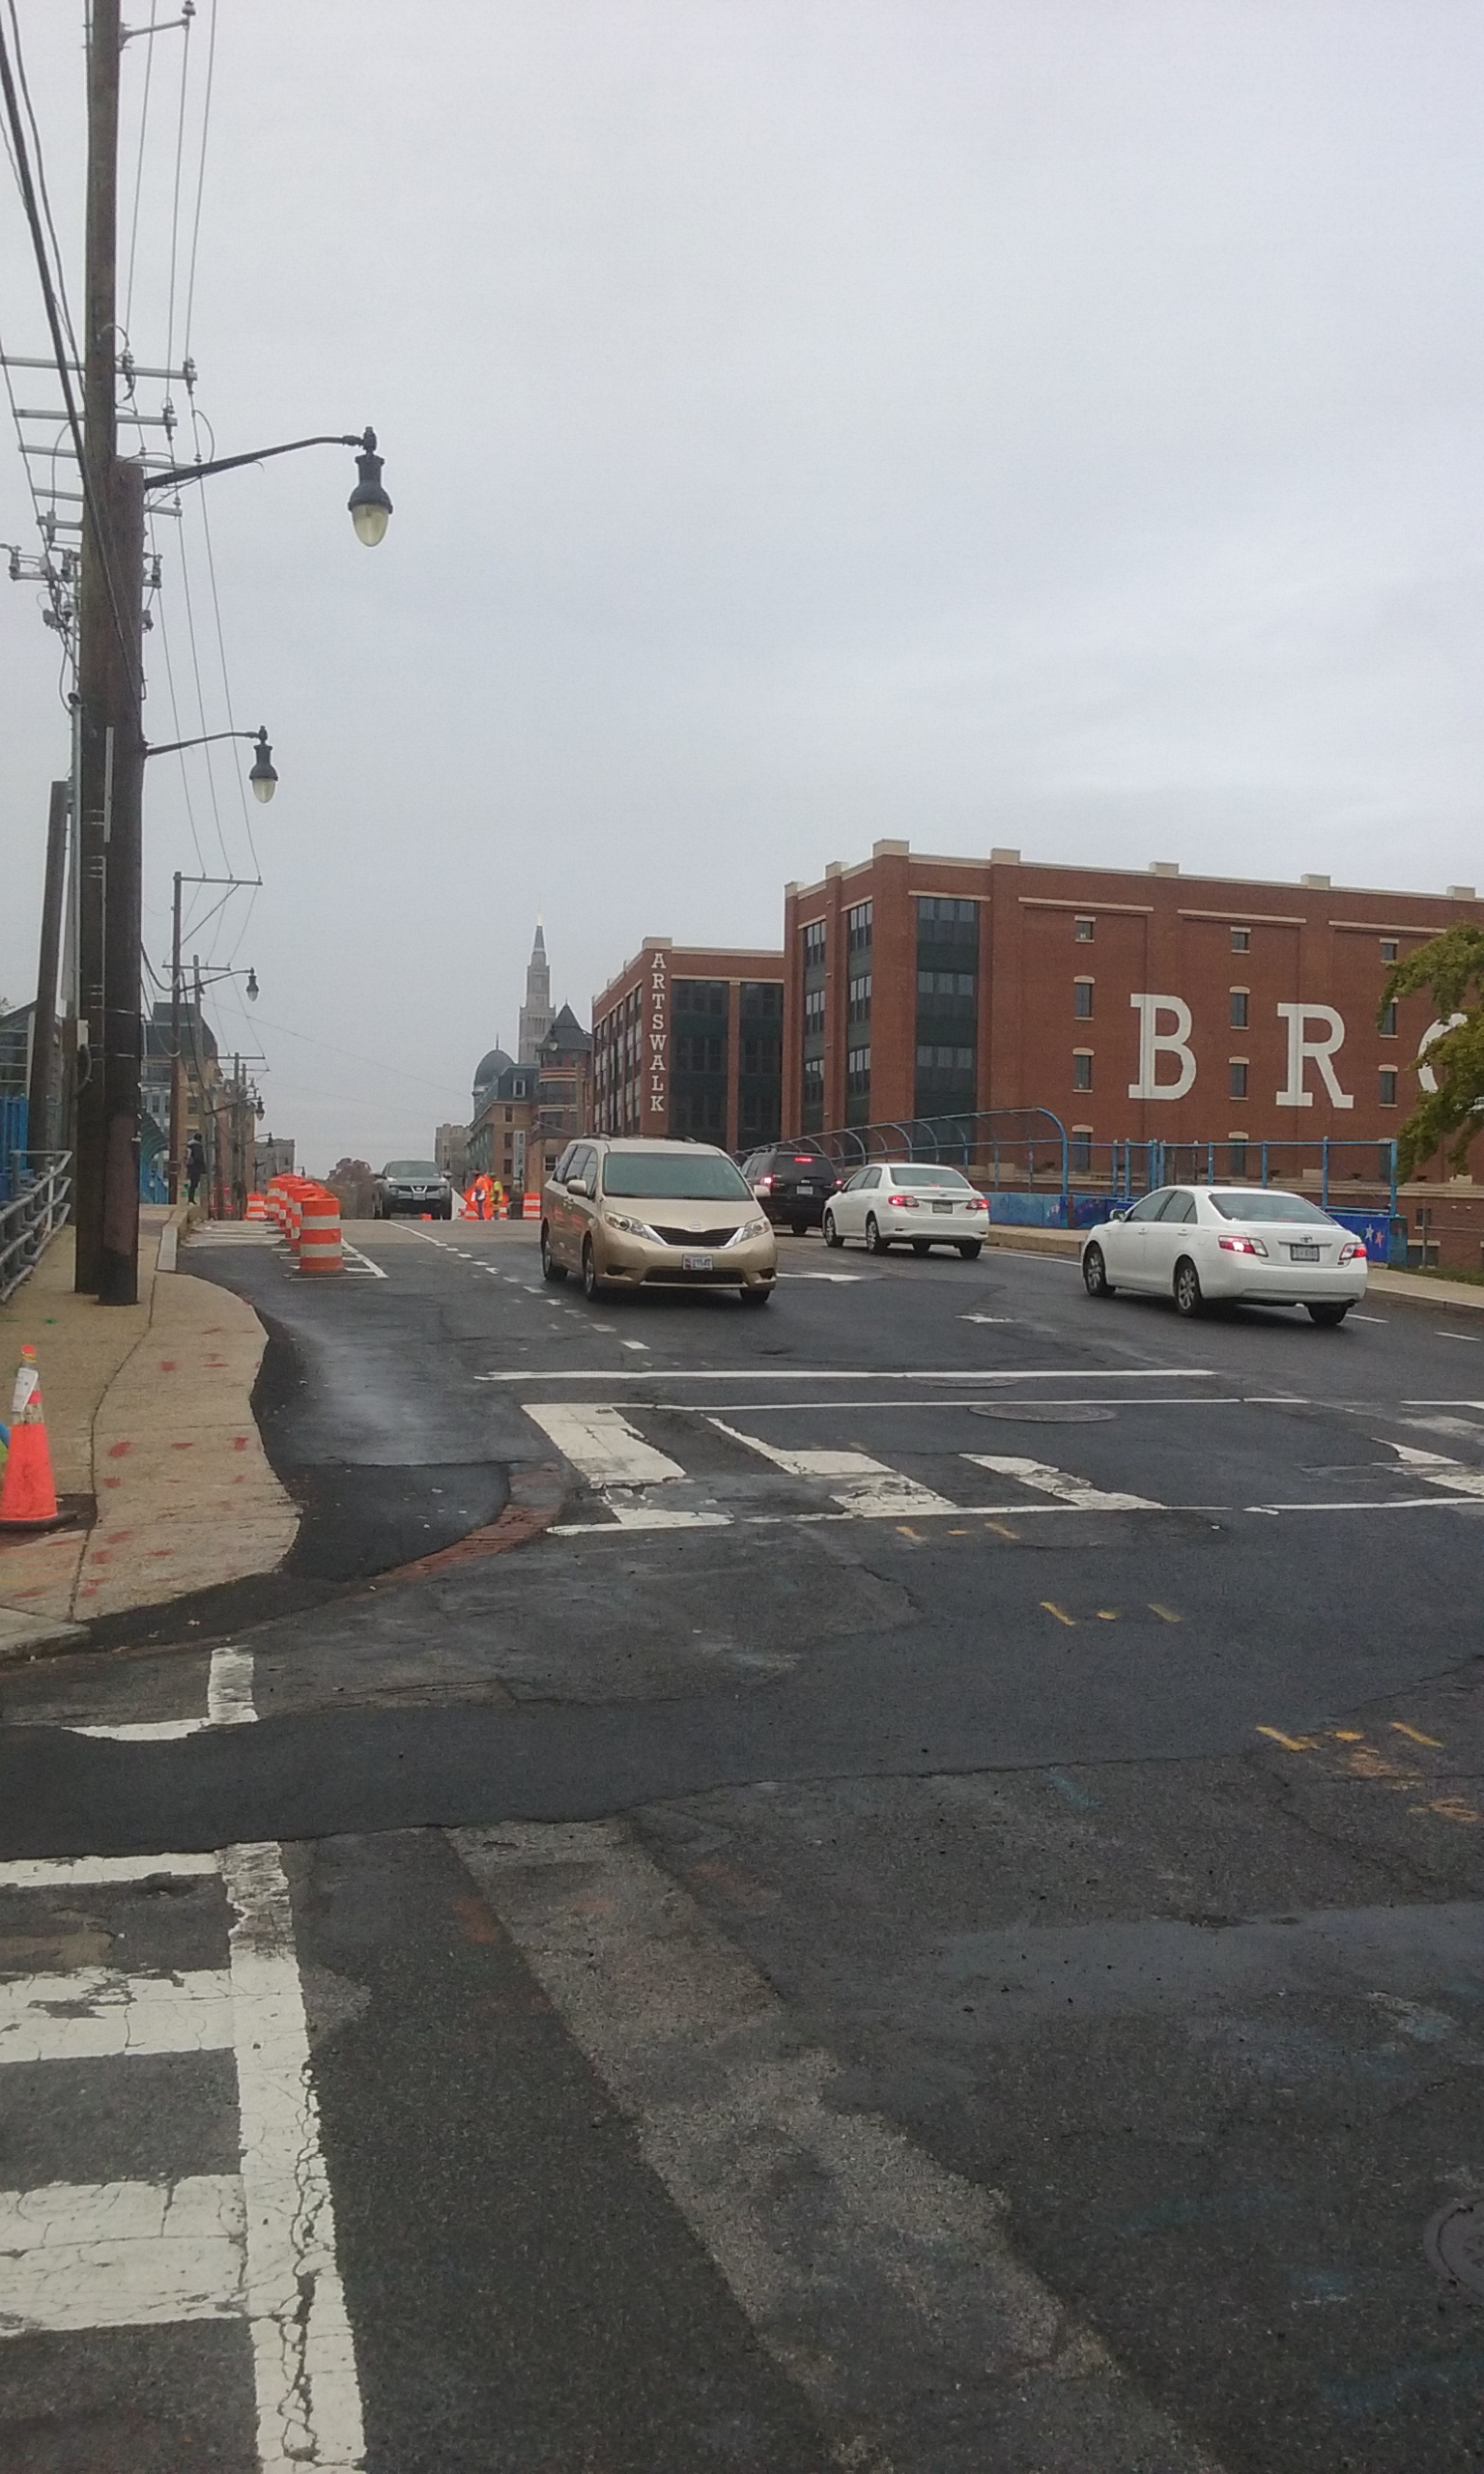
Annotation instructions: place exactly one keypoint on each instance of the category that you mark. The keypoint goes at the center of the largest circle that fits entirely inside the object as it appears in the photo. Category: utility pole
(41, 1098)
(112, 742)
(176, 1095)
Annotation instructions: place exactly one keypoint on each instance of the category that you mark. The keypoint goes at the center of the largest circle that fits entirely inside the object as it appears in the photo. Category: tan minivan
(643, 1214)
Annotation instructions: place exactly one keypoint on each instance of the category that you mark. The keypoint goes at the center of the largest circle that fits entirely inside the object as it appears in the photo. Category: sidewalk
(149, 1419)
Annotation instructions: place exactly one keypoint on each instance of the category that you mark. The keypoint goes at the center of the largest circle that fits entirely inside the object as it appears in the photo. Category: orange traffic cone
(28, 1499)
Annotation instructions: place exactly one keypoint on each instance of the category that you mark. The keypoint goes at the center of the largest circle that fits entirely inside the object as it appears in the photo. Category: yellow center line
(1397, 1728)
(1060, 1612)
(1289, 1743)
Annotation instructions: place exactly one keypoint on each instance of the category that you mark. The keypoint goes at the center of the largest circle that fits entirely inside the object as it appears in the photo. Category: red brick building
(1132, 1006)
(688, 1040)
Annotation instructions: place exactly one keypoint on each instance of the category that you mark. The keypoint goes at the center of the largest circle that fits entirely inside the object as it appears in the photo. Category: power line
(144, 122)
(195, 228)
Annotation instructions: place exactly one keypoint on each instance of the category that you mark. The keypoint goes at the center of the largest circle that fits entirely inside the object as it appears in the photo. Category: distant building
(273, 1158)
(450, 1149)
(688, 1040)
(504, 1117)
(536, 1012)
(563, 1085)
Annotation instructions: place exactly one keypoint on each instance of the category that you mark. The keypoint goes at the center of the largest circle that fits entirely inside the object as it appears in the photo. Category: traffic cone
(28, 1498)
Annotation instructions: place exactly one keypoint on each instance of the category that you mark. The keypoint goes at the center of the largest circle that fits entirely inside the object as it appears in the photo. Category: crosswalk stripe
(603, 1448)
(869, 1490)
(120, 2255)
(1434, 1469)
(94, 2012)
(98, 1872)
(1065, 1488)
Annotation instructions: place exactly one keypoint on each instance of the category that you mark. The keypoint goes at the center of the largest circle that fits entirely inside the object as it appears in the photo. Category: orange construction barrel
(319, 1239)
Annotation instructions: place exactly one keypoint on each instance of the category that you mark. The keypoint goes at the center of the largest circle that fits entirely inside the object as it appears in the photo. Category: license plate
(1303, 1253)
(942, 1206)
(806, 1190)
(698, 1262)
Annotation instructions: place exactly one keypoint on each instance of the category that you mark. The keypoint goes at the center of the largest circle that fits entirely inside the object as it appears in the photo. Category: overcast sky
(1054, 423)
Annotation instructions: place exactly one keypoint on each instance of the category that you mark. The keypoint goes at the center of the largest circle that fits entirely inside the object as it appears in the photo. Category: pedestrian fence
(35, 1208)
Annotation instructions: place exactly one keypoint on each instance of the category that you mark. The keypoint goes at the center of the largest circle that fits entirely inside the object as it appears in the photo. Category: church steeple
(536, 1012)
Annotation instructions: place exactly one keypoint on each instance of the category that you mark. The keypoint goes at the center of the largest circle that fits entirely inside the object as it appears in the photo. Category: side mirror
(1118, 1215)
(578, 1185)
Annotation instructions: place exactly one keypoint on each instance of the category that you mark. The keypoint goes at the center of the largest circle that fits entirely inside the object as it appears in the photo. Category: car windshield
(920, 1172)
(672, 1176)
(412, 1168)
(1265, 1204)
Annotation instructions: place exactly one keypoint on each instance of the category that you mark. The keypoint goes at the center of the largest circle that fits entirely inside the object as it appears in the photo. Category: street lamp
(264, 780)
(368, 502)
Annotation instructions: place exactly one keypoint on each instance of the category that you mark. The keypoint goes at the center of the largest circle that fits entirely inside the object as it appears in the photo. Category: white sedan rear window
(1260, 1202)
(921, 1172)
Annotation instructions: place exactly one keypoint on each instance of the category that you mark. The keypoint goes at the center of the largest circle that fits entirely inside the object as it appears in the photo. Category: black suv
(793, 1181)
(412, 1186)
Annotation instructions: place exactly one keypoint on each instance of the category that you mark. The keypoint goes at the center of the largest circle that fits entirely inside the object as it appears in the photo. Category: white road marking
(837, 1280)
(634, 1344)
(871, 1491)
(93, 2012)
(1368, 1318)
(899, 1408)
(834, 1374)
(228, 1703)
(98, 1872)
(1434, 1469)
(144, 1730)
(362, 1262)
(605, 1448)
(897, 2276)
(1068, 1489)
(988, 1318)
(303, 2354)
(1474, 1338)
(1398, 1502)
(120, 2255)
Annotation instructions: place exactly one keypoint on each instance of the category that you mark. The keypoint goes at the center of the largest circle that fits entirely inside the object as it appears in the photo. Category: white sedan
(1201, 1243)
(907, 1202)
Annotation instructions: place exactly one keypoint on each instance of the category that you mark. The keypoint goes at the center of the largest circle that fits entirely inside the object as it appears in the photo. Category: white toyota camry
(1198, 1244)
(907, 1202)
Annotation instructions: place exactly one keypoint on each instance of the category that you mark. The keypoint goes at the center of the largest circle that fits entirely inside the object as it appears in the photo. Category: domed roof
(490, 1068)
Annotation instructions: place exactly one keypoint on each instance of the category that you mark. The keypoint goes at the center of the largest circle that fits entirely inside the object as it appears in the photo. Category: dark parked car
(793, 1181)
(412, 1186)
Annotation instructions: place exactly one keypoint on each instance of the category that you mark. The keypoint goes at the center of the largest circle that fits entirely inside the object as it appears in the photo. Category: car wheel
(1329, 1315)
(920, 1252)
(831, 1235)
(799, 1227)
(592, 1286)
(755, 1296)
(551, 1268)
(969, 1248)
(875, 1242)
(1095, 1274)
(1188, 1300)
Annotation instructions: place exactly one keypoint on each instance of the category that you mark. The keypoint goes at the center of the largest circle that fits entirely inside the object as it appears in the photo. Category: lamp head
(264, 780)
(368, 502)
(252, 986)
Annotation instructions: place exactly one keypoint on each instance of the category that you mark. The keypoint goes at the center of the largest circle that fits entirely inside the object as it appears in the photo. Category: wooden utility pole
(110, 737)
(40, 1108)
(177, 1062)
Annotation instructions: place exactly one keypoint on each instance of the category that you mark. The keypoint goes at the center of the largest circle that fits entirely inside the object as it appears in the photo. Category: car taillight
(976, 1202)
(804, 1160)
(902, 1202)
(1241, 1245)
(1349, 1254)
(764, 1186)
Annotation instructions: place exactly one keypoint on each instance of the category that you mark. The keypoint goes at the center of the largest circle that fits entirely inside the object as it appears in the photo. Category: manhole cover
(1454, 2243)
(1045, 1413)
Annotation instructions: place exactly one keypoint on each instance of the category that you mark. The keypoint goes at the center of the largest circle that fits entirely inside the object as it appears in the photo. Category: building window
(1388, 1022)
(1389, 949)
(1387, 1087)
(1242, 939)
(814, 945)
(1080, 1152)
(857, 1085)
(1237, 1016)
(814, 1011)
(1082, 1069)
(1082, 999)
(858, 927)
(858, 1000)
(946, 1060)
(1236, 1077)
(1235, 1154)
(1082, 931)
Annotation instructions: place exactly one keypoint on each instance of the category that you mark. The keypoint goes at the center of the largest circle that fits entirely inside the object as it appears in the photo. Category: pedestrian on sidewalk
(196, 1167)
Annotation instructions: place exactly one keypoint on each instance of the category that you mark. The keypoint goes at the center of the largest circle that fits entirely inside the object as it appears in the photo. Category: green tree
(1446, 1118)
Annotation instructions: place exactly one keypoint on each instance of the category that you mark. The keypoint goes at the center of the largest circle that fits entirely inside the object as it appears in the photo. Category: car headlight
(749, 1229)
(634, 1228)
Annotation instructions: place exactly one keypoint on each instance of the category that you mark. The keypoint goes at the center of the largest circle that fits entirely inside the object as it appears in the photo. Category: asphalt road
(893, 1884)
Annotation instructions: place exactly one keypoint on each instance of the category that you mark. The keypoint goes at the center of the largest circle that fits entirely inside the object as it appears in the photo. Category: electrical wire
(144, 122)
(175, 203)
(196, 227)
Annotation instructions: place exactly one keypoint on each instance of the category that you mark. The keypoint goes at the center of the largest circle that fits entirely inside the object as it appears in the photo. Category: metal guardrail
(41, 1185)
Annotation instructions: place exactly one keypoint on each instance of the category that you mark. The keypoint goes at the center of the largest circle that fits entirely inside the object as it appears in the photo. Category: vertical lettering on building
(657, 1041)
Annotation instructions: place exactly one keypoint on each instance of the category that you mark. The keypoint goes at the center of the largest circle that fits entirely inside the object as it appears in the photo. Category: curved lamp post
(369, 506)
(263, 779)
